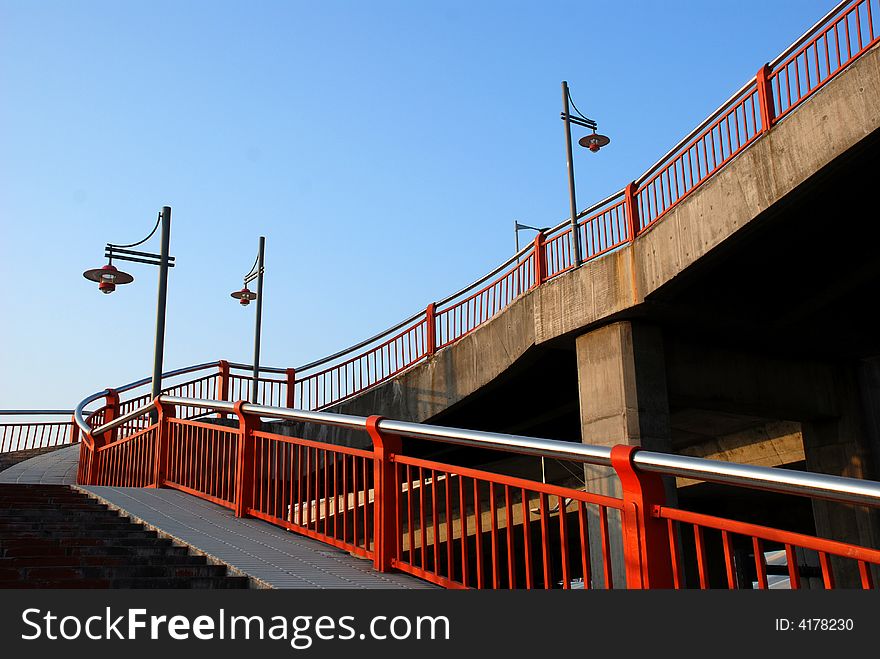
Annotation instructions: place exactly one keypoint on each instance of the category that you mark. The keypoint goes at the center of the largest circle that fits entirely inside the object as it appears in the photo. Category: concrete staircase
(52, 536)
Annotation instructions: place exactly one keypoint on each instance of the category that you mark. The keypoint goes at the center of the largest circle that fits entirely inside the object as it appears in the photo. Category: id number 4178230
(815, 624)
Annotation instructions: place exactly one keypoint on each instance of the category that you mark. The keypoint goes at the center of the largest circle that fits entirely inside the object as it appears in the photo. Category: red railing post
(540, 260)
(632, 209)
(222, 384)
(430, 330)
(385, 496)
(646, 548)
(163, 438)
(244, 477)
(74, 431)
(90, 475)
(765, 98)
(291, 388)
(111, 411)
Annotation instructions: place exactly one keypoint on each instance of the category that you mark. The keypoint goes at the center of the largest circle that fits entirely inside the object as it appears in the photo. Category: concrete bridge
(724, 310)
(740, 327)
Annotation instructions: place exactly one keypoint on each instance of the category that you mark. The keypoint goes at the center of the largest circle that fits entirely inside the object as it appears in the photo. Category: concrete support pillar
(842, 446)
(623, 400)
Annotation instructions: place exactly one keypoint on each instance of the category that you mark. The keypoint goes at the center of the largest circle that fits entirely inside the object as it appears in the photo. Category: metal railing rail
(783, 481)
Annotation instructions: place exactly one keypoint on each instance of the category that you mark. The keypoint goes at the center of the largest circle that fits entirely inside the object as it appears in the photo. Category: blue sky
(383, 148)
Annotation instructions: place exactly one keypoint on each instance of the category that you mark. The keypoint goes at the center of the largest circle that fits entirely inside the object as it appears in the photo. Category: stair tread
(54, 537)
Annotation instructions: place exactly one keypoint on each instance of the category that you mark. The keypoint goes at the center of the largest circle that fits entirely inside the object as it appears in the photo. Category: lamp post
(592, 142)
(517, 227)
(109, 277)
(244, 296)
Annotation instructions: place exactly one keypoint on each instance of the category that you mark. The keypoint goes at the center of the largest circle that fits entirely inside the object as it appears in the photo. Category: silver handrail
(784, 481)
(80, 410)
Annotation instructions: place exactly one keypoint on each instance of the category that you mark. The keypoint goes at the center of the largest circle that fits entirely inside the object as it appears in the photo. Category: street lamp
(517, 227)
(244, 296)
(593, 142)
(109, 277)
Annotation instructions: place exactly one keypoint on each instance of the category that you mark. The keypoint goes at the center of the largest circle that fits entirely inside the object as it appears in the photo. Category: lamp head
(244, 296)
(108, 278)
(594, 142)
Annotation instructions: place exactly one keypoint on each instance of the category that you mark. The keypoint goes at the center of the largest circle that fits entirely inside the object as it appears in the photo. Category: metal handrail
(783, 481)
(80, 410)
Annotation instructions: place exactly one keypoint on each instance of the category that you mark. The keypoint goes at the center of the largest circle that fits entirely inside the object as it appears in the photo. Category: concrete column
(623, 400)
(842, 446)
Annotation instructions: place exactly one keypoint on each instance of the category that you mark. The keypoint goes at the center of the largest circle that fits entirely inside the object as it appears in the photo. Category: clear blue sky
(384, 149)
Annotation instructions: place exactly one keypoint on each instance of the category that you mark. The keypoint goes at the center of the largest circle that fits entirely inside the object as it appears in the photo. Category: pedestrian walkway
(274, 556)
(54, 468)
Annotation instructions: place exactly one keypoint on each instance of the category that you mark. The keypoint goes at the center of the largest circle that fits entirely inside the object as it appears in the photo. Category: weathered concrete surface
(831, 122)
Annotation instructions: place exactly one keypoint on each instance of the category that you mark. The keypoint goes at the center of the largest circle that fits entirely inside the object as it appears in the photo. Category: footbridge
(717, 335)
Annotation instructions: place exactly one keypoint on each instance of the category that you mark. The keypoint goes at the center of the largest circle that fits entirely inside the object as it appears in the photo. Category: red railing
(22, 430)
(717, 542)
(382, 360)
(467, 527)
(461, 527)
(822, 53)
(128, 462)
(319, 490)
(201, 459)
(700, 157)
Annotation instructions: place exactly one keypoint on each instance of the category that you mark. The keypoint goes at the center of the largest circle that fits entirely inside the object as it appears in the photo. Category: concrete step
(84, 560)
(147, 582)
(56, 537)
(9, 529)
(111, 572)
(144, 550)
(78, 533)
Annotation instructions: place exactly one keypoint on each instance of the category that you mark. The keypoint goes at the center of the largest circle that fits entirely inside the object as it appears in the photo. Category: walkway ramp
(272, 556)
(275, 557)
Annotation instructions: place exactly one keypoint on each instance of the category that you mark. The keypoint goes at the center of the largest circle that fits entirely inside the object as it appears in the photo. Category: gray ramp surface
(275, 556)
(54, 468)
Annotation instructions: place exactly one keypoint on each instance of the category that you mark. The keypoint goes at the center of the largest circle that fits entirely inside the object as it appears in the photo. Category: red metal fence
(22, 430)
(465, 527)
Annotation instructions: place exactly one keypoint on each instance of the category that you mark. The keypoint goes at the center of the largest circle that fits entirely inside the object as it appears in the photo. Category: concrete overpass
(740, 327)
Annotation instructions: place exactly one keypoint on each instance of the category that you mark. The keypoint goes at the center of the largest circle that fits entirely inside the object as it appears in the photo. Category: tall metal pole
(575, 240)
(259, 321)
(159, 350)
(516, 234)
